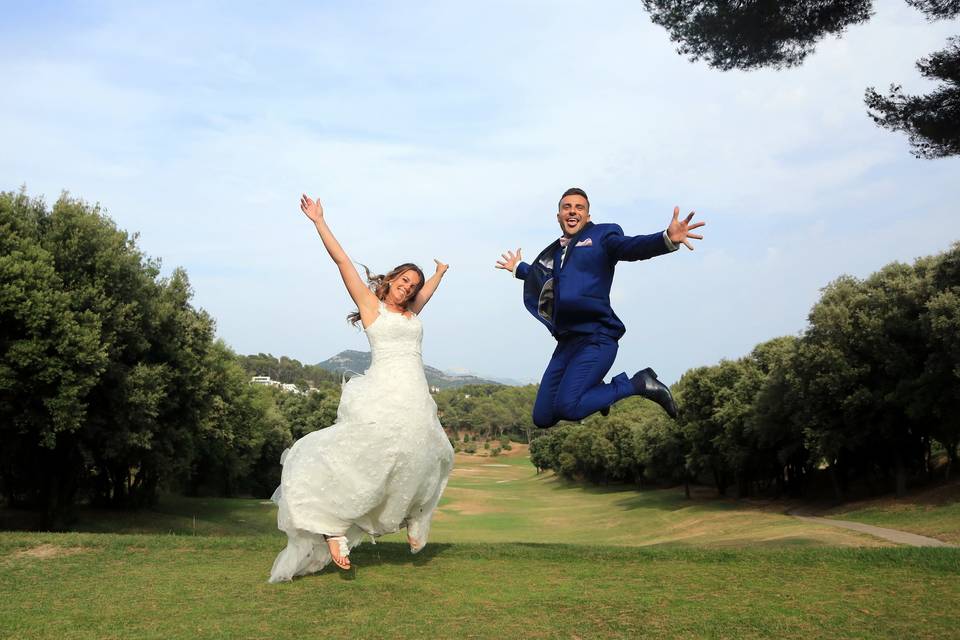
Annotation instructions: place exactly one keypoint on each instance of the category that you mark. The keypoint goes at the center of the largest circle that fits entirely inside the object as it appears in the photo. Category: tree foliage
(862, 398)
(931, 121)
(758, 33)
(112, 386)
(937, 9)
(762, 33)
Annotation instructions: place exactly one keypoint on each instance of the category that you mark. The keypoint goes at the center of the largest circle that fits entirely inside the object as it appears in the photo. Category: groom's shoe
(645, 383)
(605, 411)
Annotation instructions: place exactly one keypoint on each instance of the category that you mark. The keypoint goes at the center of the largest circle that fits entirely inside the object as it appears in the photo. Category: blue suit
(571, 297)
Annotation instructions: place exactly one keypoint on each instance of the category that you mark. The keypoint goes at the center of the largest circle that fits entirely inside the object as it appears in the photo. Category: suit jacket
(575, 297)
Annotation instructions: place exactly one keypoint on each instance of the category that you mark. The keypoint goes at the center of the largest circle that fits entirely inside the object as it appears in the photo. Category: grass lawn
(512, 554)
(123, 586)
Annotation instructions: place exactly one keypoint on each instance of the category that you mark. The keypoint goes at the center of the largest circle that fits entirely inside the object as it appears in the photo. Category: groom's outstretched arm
(629, 248)
(621, 247)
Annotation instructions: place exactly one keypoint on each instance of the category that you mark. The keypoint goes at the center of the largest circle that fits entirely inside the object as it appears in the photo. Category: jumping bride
(384, 463)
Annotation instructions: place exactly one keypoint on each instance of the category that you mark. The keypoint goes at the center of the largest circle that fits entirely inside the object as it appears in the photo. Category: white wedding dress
(382, 465)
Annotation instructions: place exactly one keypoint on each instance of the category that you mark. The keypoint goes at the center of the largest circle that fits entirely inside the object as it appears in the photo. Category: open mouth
(572, 222)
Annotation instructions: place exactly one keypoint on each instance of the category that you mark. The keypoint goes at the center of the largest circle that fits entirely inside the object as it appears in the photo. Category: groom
(567, 288)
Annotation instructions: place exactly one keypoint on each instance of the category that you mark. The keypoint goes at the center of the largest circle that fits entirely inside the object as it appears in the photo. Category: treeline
(112, 385)
(488, 410)
(289, 371)
(868, 397)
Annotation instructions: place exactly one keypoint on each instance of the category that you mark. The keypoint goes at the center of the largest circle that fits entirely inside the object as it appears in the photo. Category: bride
(385, 461)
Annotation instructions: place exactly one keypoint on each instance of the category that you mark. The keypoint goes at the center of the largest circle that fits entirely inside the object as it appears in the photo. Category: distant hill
(359, 361)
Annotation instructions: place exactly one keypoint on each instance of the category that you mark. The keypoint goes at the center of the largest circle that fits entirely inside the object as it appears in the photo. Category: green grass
(504, 500)
(512, 554)
(158, 586)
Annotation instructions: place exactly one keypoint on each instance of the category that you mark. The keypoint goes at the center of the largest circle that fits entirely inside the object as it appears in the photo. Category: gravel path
(893, 535)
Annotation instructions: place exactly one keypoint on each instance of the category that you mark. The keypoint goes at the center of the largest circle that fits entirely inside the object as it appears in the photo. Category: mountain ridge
(352, 361)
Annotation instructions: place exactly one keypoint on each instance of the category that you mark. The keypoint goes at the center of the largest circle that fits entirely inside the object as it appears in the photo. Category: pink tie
(564, 241)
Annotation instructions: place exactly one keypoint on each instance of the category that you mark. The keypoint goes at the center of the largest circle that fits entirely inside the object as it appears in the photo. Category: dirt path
(893, 535)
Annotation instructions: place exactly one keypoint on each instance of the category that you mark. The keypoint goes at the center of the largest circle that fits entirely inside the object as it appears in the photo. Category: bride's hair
(380, 284)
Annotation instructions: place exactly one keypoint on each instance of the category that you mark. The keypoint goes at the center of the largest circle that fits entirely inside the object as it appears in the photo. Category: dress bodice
(394, 336)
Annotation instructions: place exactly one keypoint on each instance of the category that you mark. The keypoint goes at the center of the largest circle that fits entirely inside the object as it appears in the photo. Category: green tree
(699, 393)
(663, 452)
(759, 33)
(777, 431)
(936, 397)
(747, 35)
(123, 418)
(50, 357)
(931, 121)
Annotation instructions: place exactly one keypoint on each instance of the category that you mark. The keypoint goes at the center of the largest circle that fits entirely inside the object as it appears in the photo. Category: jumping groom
(567, 288)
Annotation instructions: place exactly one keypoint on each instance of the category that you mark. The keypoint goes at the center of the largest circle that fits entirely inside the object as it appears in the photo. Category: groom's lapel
(573, 243)
(548, 257)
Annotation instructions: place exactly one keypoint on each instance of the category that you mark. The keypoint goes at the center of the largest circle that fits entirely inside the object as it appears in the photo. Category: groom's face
(574, 213)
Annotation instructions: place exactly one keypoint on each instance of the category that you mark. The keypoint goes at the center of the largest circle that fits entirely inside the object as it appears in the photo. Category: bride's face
(402, 287)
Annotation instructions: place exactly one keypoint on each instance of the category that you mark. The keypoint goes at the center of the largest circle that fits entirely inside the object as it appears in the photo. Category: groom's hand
(679, 230)
(509, 260)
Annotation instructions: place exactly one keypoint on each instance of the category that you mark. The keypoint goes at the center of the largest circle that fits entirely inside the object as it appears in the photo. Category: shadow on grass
(660, 498)
(172, 515)
(370, 556)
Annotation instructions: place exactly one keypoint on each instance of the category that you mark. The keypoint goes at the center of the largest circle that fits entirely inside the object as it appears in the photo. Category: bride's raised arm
(426, 291)
(366, 302)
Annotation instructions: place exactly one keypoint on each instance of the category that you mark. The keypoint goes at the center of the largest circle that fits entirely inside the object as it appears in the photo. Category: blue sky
(443, 130)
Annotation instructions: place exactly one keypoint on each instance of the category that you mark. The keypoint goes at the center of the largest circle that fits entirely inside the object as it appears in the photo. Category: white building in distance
(283, 386)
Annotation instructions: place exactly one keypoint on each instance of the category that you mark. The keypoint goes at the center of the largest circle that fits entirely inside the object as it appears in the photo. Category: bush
(471, 447)
(495, 451)
(486, 444)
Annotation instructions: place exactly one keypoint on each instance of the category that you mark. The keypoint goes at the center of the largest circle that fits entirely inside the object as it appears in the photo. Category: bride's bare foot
(414, 545)
(339, 551)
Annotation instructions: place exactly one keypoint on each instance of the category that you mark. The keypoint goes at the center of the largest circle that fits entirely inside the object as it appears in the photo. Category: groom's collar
(573, 238)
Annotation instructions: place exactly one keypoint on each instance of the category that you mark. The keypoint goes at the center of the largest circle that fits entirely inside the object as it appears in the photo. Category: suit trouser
(572, 387)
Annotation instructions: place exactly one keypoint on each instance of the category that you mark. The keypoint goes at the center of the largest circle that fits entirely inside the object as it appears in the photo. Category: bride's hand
(311, 208)
(441, 267)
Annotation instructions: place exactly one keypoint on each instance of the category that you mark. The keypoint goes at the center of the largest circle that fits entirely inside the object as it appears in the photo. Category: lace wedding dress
(382, 465)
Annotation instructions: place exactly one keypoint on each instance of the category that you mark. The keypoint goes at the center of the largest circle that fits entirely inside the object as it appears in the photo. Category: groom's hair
(574, 191)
